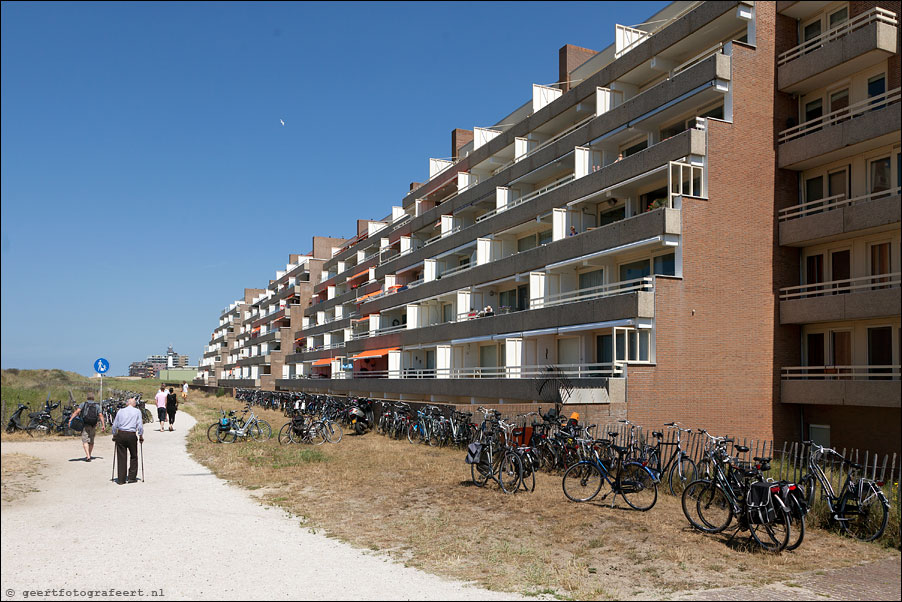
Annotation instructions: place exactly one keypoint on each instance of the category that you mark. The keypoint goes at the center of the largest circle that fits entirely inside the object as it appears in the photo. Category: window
(880, 352)
(507, 300)
(876, 87)
(815, 349)
(447, 312)
(639, 345)
(591, 279)
(814, 109)
(636, 269)
(811, 31)
(837, 182)
(665, 265)
(653, 200)
(838, 17)
(635, 148)
(526, 243)
(879, 173)
(612, 215)
(839, 100)
(879, 261)
(814, 189)
(814, 269)
(546, 237)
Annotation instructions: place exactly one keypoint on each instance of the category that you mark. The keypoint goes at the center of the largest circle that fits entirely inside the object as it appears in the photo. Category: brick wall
(569, 58)
(459, 139)
(719, 345)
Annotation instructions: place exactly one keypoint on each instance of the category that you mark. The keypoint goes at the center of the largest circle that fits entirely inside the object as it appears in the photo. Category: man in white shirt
(185, 391)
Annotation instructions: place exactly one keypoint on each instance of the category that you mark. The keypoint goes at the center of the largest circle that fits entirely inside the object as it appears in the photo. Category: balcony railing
(841, 287)
(646, 283)
(886, 372)
(544, 144)
(859, 108)
(528, 197)
(602, 370)
(438, 237)
(875, 15)
(455, 270)
(833, 202)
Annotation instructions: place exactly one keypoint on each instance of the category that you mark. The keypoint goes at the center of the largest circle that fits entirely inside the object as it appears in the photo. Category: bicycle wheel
(265, 429)
(332, 431)
(582, 482)
(510, 472)
(706, 506)
(226, 436)
(796, 523)
(773, 535)
(254, 433)
(681, 474)
(211, 433)
(317, 433)
(808, 486)
(866, 517)
(638, 487)
(480, 473)
(530, 465)
(285, 434)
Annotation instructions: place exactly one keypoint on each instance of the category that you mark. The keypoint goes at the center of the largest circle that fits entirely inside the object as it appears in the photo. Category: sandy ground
(182, 534)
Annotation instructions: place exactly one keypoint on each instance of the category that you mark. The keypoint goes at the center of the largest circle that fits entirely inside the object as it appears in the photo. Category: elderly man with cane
(128, 430)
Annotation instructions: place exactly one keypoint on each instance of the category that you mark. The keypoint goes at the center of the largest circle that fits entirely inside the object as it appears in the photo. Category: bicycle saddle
(657, 434)
(741, 449)
(612, 435)
(619, 449)
(854, 465)
(762, 460)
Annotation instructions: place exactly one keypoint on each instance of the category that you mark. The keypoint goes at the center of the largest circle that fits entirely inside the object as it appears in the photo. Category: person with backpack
(90, 413)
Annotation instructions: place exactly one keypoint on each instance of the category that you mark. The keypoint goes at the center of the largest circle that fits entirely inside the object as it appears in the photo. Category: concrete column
(513, 357)
(443, 361)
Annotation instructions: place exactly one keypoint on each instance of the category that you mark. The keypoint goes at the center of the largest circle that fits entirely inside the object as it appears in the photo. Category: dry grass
(418, 504)
(18, 475)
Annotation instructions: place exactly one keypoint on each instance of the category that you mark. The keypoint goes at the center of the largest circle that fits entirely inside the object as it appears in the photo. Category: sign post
(101, 366)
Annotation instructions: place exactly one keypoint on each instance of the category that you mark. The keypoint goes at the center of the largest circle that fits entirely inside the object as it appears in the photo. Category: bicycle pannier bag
(77, 424)
(91, 414)
(474, 453)
(761, 506)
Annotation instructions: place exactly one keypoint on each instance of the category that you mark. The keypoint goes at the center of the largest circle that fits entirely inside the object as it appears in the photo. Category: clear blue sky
(146, 178)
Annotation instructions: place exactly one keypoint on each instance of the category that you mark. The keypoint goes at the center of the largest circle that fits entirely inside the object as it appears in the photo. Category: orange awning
(373, 353)
(359, 299)
(359, 274)
(326, 361)
(361, 319)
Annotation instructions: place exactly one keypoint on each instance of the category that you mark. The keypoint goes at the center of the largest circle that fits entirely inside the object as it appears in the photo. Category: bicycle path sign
(101, 365)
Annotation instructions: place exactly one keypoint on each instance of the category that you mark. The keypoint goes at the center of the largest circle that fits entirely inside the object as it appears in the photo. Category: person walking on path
(185, 390)
(172, 404)
(161, 398)
(90, 414)
(128, 431)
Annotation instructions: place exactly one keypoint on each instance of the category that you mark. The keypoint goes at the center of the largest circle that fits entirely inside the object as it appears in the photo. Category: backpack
(91, 414)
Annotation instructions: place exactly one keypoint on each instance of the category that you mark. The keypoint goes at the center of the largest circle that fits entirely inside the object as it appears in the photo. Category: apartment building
(841, 71)
(647, 239)
(255, 332)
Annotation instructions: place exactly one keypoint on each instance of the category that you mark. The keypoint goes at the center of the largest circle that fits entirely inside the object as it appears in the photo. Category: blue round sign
(101, 365)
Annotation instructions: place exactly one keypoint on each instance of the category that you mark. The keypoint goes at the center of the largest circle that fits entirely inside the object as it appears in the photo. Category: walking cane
(113, 475)
(141, 447)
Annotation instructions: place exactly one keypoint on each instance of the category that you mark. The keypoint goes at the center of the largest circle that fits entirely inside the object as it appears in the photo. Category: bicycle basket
(760, 503)
(474, 453)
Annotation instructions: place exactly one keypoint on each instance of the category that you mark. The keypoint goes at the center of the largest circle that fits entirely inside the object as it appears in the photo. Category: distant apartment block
(151, 367)
(699, 223)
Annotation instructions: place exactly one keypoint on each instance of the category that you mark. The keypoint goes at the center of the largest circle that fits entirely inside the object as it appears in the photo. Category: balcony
(837, 53)
(470, 389)
(850, 299)
(837, 217)
(874, 386)
(849, 131)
